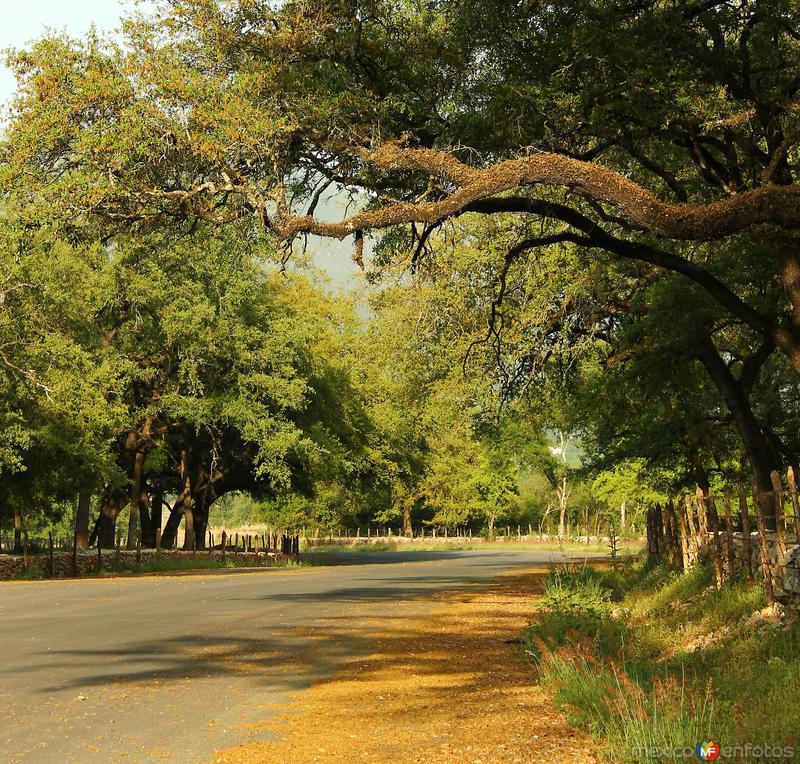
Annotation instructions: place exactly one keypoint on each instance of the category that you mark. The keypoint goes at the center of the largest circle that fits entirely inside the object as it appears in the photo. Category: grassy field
(438, 545)
(651, 662)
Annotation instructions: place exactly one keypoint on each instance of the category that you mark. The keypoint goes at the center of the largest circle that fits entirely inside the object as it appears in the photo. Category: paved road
(172, 668)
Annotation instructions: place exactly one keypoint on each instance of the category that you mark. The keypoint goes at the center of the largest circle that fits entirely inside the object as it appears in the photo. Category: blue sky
(25, 20)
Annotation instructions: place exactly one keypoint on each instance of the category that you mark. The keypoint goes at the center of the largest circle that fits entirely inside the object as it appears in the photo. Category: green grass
(165, 565)
(449, 546)
(644, 658)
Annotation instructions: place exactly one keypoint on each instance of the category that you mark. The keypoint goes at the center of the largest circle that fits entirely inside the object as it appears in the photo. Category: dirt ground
(451, 687)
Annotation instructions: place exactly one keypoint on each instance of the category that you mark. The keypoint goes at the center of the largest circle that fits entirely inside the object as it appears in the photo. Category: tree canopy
(583, 211)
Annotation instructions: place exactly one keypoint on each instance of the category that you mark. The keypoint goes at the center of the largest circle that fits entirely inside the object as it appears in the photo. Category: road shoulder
(453, 686)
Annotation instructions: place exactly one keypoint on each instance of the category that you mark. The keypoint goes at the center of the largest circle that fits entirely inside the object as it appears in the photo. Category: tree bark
(134, 521)
(82, 519)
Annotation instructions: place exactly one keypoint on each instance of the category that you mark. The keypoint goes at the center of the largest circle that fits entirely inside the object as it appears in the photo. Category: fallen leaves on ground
(453, 686)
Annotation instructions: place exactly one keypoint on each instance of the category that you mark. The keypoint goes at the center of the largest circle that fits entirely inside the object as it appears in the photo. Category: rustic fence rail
(691, 528)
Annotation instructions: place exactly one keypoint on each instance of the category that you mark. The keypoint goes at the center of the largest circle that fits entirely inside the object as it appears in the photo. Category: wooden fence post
(780, 518)
(747, 539)
(691, 528)
(726, 503)
(50, 550)
(667, 530)
(795, 502)
(702, 513)
(675, 531)
(766, 566)
(683, 524)
(712, 520)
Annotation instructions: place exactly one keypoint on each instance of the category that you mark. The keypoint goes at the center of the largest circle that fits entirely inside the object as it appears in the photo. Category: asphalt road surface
(173, 668)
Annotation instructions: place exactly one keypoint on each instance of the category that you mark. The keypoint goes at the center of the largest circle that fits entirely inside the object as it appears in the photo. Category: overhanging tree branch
(771, 205)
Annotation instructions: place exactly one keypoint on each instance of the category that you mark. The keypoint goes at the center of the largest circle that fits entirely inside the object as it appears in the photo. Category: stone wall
(785, 574)
(12, 566)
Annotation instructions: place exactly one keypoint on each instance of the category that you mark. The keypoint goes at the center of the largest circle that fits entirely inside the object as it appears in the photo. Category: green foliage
(655, 670)
(567, 590)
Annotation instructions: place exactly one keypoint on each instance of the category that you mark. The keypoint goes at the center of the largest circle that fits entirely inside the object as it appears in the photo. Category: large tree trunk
(106, 524)
(408, 507)
(200, 527)
(756, 444)
(82, 518)
(106, 529)
(170, 534)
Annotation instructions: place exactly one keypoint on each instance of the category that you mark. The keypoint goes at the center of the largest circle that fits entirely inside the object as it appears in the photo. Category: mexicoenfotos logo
(707, 751)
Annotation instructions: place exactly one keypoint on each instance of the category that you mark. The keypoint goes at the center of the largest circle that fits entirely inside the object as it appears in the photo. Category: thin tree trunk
(82, 518)
(134, 521)
(146, 519)
(17, 531)
(156, 509)
(186, 502)
(563, 495)
(408, 506)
